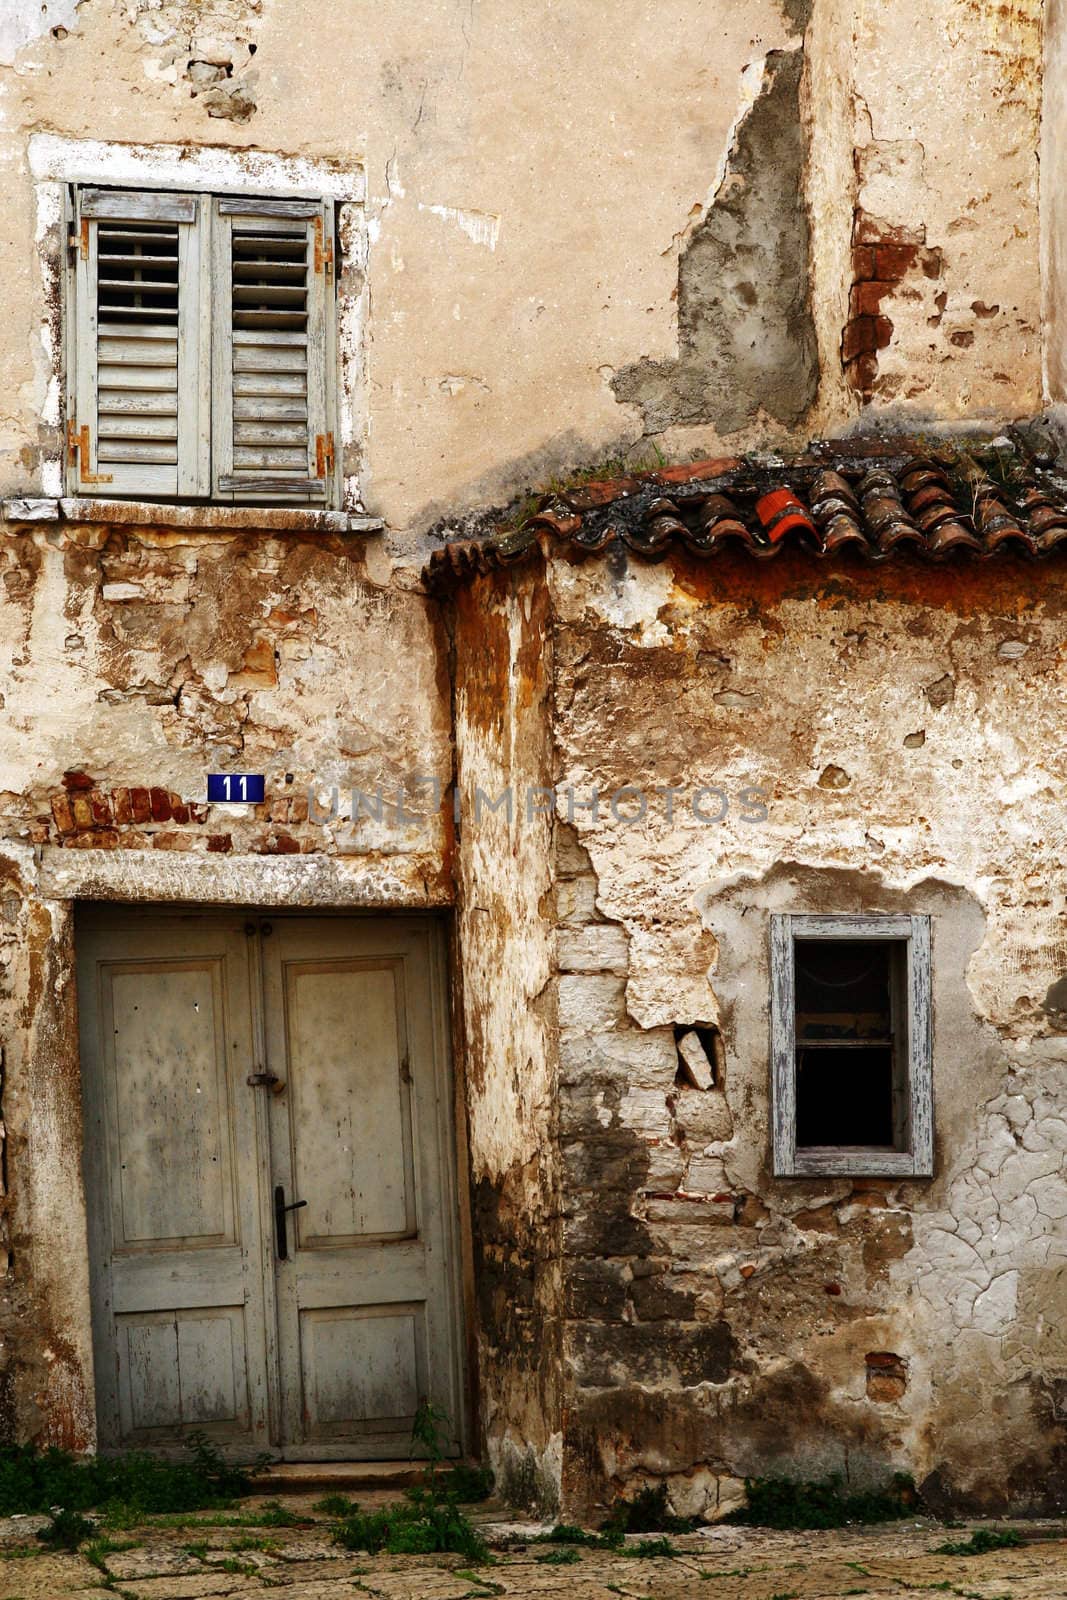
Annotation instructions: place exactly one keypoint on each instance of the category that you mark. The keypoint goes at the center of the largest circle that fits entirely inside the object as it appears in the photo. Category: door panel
(363, 1368)
(345, 1032)
(171, 1123)
(171, 1168)
(198, 1321)
(366, 1302)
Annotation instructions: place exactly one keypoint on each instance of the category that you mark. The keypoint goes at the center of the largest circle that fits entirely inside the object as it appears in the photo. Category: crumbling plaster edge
(1053, 204)
(55, 162)
(135, 876)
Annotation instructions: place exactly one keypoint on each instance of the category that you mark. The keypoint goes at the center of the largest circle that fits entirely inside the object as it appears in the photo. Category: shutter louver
(271, 266)
(140, 408)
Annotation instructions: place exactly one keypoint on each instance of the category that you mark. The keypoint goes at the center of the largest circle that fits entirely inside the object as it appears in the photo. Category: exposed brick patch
(882, 258)
(887, 1376)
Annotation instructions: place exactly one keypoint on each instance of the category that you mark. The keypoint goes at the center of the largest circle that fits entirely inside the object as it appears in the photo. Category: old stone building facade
(580, 780)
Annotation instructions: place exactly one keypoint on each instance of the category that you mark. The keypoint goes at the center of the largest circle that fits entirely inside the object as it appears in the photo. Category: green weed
(334, 1505)
(67, 1530)
(566, 1556)
(566, 1533)
(428, 1520)
(645, 1547)
(129, 1486)
(981, 1542)
(423, 1523)
(798, 1503)
(97, 1552)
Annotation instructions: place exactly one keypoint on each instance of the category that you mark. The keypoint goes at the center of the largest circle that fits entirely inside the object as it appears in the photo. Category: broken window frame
(914, 1043)
(205, 420)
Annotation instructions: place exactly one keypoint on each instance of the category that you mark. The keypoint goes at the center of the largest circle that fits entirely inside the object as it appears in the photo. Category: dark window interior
(850, 1059)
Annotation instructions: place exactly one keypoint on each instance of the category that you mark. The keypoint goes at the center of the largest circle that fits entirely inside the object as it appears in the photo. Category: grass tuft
(124, 1488)
(803, 1503)
(981, 1542)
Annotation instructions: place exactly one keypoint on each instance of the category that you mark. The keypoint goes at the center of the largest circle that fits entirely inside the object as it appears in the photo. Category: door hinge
(323, 250)
(78, 448)
(323, 454)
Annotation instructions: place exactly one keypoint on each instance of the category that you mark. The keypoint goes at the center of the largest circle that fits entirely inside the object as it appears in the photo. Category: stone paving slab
(894, 1562)
(158, 1561)
(196, 1586)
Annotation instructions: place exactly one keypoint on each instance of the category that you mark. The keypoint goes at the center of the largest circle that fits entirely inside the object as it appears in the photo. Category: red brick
(141, 805)
(174, 841)
(101, 808)
(862, 262)
(863, 371)
(858, 337)
(893, 261)
(279, 810)
(886, 1387)
(179, 811)
(866, 299)
(883, 333)
(76, 780)
(62, 813)
(714, 467)
(285, 845)
(104, 839)
(197, 813)
(160, 805)
(218, 842)
(82, 810)
(120, 802)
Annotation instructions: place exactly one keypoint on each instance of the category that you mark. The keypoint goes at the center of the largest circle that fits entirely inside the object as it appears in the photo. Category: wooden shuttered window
(141, 415)
(202, 349)
(273, 276)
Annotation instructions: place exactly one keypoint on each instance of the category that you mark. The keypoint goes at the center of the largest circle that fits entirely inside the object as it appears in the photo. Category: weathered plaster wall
(132, 662)
(504, 872)
(903, 725)
(662, 250)
(946, 136)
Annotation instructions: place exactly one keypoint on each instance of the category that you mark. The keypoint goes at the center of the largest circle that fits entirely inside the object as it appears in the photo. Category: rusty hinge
(323, 454)
(78, 242)
(78, 443)
(323, 250)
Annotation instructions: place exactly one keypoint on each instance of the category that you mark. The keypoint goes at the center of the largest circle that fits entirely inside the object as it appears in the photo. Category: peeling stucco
(746, 340)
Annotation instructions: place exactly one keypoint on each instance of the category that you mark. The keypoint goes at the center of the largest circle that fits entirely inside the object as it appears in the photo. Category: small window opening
(851, 1037)
(851, 1087)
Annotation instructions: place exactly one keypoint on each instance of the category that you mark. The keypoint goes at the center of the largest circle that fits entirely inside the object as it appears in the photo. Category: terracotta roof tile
(874, 500)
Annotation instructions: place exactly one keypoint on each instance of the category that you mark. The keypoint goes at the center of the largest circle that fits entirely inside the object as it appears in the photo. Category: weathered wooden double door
(270, 1180)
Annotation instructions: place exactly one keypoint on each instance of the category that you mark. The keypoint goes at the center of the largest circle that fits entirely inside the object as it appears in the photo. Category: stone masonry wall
(902, 724)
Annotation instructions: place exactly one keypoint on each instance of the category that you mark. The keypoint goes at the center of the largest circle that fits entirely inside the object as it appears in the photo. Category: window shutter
(273, 287)
(141, 413)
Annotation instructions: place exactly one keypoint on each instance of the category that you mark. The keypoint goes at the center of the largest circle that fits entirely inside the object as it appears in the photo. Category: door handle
(280, 1228)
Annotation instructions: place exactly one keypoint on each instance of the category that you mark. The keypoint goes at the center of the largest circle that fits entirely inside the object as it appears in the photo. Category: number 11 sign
(235, 788)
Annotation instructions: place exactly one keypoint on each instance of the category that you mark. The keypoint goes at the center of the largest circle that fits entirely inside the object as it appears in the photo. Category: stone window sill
(205, 518)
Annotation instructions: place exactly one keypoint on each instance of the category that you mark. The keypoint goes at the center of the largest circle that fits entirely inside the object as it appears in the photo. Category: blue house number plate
(235, 788)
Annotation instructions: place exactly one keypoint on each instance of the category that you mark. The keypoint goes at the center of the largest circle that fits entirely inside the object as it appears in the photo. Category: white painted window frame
(917, 1160)
(58, 163)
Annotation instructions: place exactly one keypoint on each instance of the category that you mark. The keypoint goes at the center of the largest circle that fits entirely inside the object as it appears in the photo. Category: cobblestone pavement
(198, 1560)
